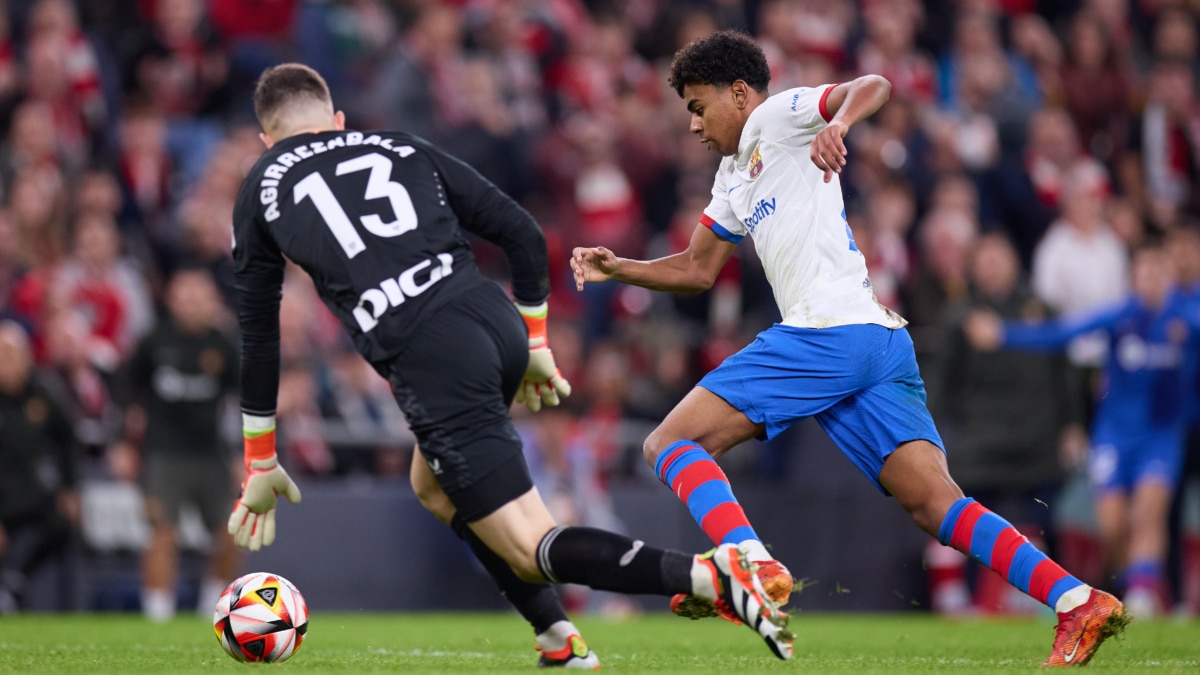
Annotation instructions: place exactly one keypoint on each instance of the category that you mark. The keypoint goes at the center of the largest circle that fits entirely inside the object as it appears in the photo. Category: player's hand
(593, 264)
(543, 383)
(828, 150)
(252, 522)
(984, 330)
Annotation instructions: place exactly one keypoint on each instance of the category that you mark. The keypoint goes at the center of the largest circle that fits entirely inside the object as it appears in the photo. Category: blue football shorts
(1122, 463)
(861, 382)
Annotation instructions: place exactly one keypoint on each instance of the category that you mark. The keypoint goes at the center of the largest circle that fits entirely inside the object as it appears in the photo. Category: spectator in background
(890, 216)
(1026, 193)
(38, 502)
(1095, 86)
(1033, 39)
(605, 407)
(82, 386)
(416, 86)
(1125, 221)
(206, 241)
(592, 77)
(255, 35)
(822, 30)
(670, 376)
(777, 34)
(940, 281)
(895, 147)
(512, 40)
(9, 70)
(891, 50)
(62, 70)
(1008, 414)
(38, 216)
(179, 63)
(12, 267)
(595, 195)
(979, 75)
(489, 138)
(179, 377)
(1054, 154)
(98, 192)
(1174, 37)
(1080, 265)
(1161, 169)
(954, 191)
(1116, 17)
(146, 170)
(31, 145)
(96, 263)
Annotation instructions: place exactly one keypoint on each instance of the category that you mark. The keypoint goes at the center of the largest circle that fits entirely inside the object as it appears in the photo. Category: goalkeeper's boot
(729, 581)
(1081, 630)
(776, 580)
(574, 656)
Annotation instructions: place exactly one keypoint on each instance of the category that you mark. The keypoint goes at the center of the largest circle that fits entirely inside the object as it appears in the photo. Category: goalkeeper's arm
(485, 210)
(259, 270)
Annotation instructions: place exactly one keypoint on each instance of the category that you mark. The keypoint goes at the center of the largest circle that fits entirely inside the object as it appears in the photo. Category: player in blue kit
(838, 355)
(1141, 418)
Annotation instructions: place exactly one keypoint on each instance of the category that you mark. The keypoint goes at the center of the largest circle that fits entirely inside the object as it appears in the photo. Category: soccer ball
(260, 617)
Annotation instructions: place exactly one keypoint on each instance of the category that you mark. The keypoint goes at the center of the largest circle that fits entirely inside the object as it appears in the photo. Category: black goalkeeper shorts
(454, 383)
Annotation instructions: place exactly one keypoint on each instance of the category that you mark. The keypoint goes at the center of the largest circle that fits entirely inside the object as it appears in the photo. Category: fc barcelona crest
(756, 165)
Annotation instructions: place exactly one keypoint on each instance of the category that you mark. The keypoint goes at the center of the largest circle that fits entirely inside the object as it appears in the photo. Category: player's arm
(484, 209)
(987, 331)
(844, 105)
(258, 277)
(690, 271)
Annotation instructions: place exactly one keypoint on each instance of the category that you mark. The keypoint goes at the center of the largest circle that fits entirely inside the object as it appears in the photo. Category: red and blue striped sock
(991, 540)
(696, 479)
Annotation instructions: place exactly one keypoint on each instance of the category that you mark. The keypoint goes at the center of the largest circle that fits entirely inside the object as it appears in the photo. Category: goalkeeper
(377, 221)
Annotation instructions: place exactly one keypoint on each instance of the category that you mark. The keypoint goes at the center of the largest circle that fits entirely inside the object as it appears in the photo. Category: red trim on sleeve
(706, 221)
(821, 105)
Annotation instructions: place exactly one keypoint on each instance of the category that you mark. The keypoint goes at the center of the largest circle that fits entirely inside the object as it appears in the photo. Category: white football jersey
(772, 191)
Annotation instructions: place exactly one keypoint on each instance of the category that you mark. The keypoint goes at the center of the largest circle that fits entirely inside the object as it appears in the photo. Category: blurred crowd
(1027, 146)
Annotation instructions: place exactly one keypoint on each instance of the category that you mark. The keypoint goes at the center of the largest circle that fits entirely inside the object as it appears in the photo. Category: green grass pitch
(496, 643)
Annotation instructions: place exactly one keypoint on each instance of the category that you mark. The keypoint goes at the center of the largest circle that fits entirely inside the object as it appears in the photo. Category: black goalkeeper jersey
(376, 219)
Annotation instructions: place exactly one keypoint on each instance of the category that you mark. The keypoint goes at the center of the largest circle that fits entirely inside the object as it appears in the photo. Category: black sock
(610, 562)
(538, 603)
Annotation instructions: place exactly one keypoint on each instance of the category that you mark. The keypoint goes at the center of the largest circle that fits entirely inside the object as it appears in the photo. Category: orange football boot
(1081, 631)
(776, 580)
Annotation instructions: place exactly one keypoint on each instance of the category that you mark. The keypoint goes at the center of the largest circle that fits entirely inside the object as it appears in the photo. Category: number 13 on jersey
(379, 186)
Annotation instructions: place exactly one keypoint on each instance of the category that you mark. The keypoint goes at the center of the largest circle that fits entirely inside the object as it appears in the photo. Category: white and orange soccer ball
(261, 617)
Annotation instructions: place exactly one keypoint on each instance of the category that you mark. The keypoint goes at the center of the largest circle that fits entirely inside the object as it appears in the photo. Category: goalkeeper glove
(252, 522)
(543, 381)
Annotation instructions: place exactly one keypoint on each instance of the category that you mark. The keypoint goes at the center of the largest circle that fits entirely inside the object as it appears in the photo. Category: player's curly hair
(720, 60)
